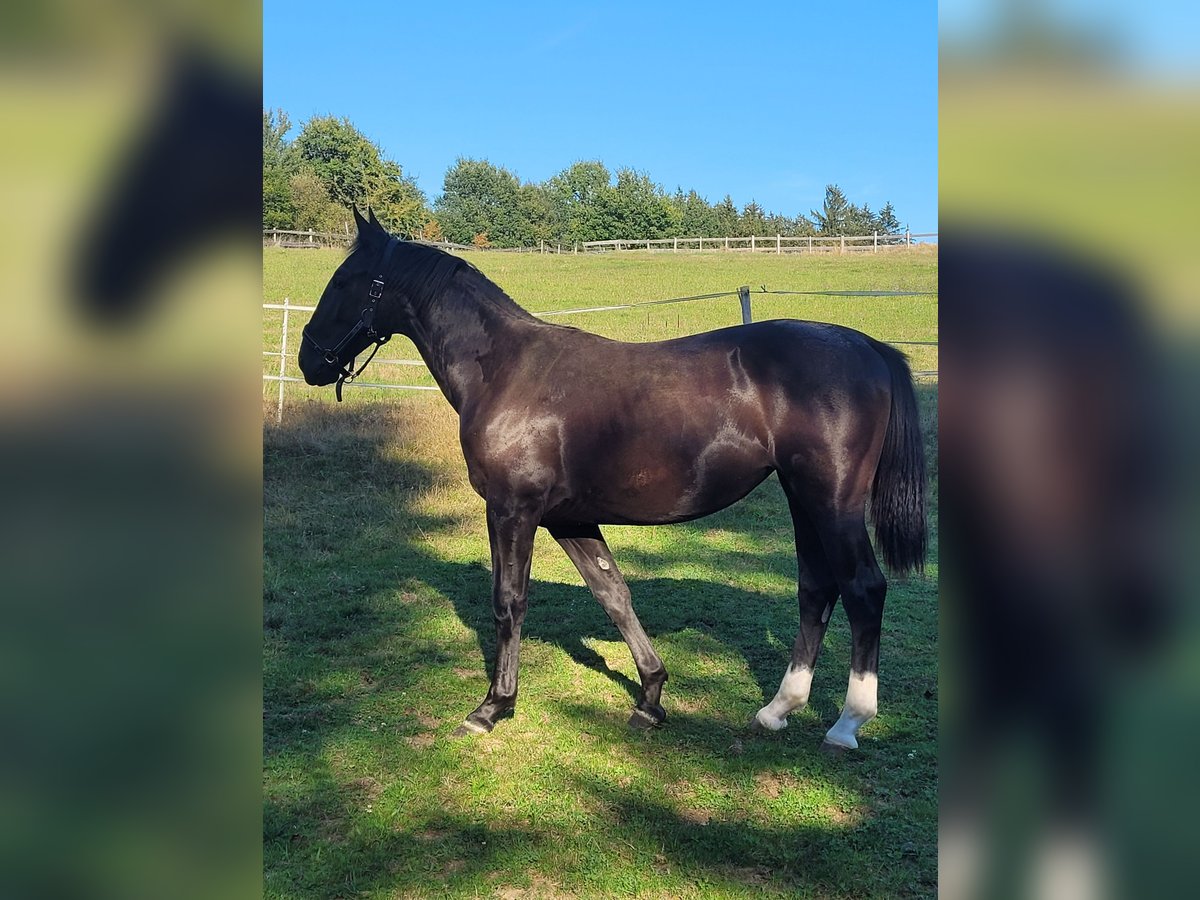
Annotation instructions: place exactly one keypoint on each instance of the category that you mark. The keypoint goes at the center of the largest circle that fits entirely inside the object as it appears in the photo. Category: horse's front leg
(511, 528)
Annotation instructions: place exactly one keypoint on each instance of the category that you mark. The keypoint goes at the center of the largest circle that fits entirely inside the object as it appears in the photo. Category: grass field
(377, 627)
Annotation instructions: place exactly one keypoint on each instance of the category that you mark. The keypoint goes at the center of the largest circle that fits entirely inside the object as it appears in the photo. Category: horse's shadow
(568, 618)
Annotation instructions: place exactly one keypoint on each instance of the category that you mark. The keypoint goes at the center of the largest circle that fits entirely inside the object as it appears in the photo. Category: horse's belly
(653, 495)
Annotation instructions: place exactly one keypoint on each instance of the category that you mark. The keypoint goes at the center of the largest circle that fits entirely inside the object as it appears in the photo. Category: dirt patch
(687, 705)
(842, 817)
(420, 741)
(453, 867)
(426, 721)
(695, 816)
(757, 875)
(366, 789)
(773, 784)
(431, 835)
(540, 888)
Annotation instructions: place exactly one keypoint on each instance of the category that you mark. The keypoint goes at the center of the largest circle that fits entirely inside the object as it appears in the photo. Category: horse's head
(352, 313)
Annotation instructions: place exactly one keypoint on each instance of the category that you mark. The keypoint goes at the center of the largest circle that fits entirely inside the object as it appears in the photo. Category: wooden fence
(279, 237)
(769, 244)
(276, 237)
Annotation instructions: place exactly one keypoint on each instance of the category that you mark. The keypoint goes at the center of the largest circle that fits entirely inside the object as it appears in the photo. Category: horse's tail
(898, 492)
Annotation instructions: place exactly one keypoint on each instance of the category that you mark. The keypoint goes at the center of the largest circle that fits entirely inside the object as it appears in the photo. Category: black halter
(366, 322)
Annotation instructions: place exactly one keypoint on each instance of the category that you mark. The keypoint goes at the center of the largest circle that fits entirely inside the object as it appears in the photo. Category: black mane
(417, 269)
(420, 270)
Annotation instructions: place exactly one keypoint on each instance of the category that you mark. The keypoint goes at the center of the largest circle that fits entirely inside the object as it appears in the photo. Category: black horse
(570, 431)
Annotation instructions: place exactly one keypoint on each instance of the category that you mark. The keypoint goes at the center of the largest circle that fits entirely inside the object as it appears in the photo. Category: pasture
(377, 626)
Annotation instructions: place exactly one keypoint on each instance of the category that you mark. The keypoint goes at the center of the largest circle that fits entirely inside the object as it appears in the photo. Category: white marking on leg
(474, 726)
(1070, 865)
(963, 851)
(826, 613)
(861, 706)
(792, 694)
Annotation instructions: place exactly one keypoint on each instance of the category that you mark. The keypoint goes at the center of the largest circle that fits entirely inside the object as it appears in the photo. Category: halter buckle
(376, 290)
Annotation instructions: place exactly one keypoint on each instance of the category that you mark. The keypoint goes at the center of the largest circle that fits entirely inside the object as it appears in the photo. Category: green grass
(377, 628)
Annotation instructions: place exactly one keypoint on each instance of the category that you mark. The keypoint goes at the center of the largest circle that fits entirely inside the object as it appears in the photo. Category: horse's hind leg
(587, 549)
(817, 594)
(863, 589)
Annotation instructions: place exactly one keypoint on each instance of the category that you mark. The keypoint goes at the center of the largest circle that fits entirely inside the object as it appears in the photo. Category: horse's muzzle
(316, 370)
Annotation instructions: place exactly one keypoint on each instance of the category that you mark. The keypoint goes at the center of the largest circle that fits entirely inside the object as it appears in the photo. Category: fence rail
(766, 244)
(282, 237)
(278, 237)
(743, 294)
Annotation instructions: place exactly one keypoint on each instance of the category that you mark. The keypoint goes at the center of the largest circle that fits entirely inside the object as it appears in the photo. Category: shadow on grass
(364, 624)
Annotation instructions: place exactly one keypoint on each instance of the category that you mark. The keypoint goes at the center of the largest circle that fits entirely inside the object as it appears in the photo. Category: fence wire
(281, 379)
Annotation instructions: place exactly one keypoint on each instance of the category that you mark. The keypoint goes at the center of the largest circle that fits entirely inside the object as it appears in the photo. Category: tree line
(311, 181)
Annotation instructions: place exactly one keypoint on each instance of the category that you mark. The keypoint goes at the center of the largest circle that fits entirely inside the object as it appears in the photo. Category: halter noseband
(366, 322)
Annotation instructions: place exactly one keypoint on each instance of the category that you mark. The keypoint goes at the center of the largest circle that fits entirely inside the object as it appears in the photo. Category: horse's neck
(468, 333)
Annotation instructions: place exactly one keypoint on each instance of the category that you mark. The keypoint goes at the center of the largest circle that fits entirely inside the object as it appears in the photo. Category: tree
(479, 198)
(537, 210)
(753, 221)
(398, 203)
(887, 223)
(355, 173)
(432, 231)
(727, 218)
(834, 215)
(860, 220)
(697, 218)
(635, 208)
(313, 181)
(313, 208)
(279, 210)
(577, 201)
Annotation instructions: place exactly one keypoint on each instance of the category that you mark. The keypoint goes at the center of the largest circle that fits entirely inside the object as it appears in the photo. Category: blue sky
(766, 101)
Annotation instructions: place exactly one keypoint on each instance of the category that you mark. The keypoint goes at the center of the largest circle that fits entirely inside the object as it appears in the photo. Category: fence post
(726, 243)
(843, 250)
(876, 250)
(751, 243)
(282, 363)
(744, 296)
(778, 243)
(810, 243)
(675, 249)
(907, 238)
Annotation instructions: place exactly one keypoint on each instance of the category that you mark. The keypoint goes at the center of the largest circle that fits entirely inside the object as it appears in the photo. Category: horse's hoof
(469, 728)
(640, 720)
(833, 749)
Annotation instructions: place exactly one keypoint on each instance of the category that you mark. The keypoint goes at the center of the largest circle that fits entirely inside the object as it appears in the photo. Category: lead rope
(347, 375)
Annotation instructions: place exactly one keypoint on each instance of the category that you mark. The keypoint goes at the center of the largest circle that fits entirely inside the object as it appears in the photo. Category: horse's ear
(374, 221)
(359, 221)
